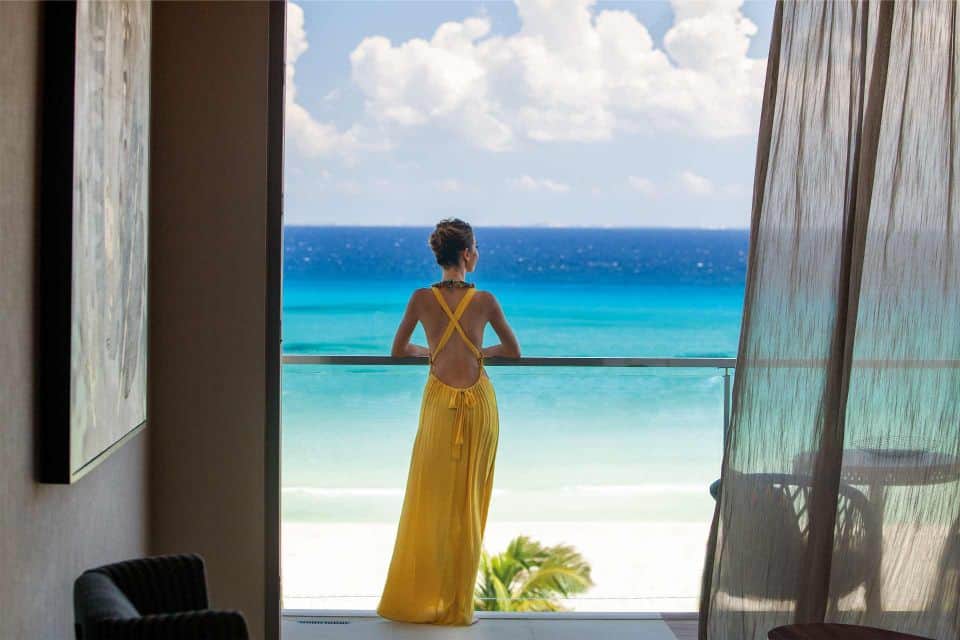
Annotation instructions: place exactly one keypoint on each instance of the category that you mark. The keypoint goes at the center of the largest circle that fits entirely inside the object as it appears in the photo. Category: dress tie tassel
(460, 400)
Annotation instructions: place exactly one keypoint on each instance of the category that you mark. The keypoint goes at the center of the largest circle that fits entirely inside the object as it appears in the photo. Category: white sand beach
(636, 566)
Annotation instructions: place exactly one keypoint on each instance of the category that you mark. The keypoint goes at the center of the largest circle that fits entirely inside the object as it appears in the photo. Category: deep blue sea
(575, 443)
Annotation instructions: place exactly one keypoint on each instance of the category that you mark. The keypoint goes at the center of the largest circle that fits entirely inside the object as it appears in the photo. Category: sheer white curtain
(840, 498)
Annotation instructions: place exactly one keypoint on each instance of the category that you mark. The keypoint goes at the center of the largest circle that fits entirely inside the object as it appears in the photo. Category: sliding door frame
(276, 70)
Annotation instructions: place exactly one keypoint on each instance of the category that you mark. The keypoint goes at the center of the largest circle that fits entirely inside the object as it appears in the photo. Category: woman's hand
(412, 351)
(499, 351)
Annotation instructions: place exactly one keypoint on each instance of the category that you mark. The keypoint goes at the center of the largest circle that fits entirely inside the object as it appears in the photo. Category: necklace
(453, 284)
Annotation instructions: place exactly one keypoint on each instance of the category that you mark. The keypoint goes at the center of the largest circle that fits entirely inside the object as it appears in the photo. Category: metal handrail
(537, 361)
(726, 364)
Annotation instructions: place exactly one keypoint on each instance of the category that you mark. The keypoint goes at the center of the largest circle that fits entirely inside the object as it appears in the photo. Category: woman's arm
(402, 347)
(508, 347)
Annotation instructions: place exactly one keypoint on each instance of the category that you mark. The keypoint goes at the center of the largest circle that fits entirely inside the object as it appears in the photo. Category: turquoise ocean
(576, 444)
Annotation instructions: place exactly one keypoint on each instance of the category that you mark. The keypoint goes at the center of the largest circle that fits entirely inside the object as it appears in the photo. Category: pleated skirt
(433, 570)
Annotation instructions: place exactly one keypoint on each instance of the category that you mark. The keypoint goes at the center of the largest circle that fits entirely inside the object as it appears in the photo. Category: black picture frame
(92, 234)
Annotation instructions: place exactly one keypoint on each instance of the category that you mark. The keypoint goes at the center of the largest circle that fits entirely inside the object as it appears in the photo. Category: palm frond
(561, 580)
(536, 605)
(529, 576)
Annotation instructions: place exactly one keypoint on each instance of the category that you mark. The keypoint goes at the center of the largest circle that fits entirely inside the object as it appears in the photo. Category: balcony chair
(777, 502)
(158, 598)
(826, 631)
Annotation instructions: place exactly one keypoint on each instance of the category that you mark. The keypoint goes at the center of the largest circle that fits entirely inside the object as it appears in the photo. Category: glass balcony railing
(612, 456)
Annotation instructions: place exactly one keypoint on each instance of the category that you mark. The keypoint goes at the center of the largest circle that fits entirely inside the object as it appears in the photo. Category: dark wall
(208, 300)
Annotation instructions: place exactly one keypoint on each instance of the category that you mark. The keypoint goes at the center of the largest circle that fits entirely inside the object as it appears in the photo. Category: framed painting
(92, 231)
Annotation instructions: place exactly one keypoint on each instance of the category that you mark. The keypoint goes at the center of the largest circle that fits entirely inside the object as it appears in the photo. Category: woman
(437, 551)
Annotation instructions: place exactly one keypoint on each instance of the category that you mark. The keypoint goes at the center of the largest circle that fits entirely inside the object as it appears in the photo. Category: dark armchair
(156, 598)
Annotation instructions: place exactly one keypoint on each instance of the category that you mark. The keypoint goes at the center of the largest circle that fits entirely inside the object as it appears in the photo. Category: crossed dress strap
(461, 400)
(454, 324)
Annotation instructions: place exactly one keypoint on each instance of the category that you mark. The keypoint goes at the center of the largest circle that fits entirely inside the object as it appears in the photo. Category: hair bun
(449, 238)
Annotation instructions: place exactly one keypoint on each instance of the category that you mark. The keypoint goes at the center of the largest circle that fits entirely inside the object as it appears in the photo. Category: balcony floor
(668, 627)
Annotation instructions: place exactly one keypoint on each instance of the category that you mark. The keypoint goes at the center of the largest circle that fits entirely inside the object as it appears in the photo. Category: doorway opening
(604, 155)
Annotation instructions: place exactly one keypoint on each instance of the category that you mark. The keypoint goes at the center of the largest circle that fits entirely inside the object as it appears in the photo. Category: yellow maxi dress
(436, 556)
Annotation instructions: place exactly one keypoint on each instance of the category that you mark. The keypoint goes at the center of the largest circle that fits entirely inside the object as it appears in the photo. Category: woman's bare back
(456, 364)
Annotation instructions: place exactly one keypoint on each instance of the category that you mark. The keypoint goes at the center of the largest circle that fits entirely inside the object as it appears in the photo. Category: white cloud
(296, 34)
(307, 135)
(449, 185)
(349, 187)
(696, 184)
(643, 185)
(570, 73)
(735, 190)
(526, 183)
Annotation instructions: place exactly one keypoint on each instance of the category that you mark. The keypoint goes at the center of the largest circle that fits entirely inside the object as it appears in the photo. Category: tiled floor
(684, 625)
(356, 628)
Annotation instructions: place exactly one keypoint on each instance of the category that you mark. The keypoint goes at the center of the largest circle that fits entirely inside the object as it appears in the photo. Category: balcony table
(876, 469)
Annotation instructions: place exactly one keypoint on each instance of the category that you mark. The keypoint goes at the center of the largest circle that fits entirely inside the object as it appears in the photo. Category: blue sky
(533, 113)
